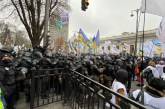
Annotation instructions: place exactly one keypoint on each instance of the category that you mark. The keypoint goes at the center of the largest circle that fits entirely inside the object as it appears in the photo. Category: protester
(160, 67)
(118, 85)
(113, 71)
(152, 97)
(138, 70)
(152, 66)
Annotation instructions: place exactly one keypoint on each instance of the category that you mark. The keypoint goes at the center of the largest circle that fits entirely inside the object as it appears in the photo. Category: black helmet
(37, 54)
(27, 54)
(6, 50)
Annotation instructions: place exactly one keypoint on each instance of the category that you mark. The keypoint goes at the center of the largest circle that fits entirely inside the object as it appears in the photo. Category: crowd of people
(114, 71)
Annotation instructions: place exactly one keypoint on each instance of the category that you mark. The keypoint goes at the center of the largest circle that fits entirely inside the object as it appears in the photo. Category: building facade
(129, 40)
(59, 30)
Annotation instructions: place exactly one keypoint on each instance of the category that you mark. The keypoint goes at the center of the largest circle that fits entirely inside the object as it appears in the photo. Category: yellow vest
(1, 103)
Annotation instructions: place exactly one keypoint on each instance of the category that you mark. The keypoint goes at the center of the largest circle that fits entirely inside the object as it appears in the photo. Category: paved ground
(59, 105)
(23, 105)
(134, 86)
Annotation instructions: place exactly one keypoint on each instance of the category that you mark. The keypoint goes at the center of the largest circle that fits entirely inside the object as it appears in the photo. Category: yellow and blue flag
(82, 38)
(83, 35)
(94, 45)
(96, 39)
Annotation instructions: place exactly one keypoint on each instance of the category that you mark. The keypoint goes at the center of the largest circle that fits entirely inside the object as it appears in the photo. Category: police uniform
(7, 77)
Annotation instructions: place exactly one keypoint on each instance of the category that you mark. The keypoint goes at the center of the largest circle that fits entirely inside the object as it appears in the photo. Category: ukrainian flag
(96, 40)
(94, 43)
(85, 38)
(82, 38)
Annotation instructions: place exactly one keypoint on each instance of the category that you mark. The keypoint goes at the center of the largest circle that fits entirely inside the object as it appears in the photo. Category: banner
(114, 50)
(156, 42)
(155, 7)
(152, 48)
(148, 49)
(161, 31)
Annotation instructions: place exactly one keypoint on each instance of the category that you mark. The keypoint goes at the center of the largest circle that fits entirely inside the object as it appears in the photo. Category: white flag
(161, 31)
(156, 7)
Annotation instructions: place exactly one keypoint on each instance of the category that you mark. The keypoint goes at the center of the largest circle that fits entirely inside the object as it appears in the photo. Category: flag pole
(144, 21)
(137, 28)
(142, 66)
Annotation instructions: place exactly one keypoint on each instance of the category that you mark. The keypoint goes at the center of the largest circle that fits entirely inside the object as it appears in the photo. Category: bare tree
(20, 40)
(11, 37)
(32, 14)
(6, 38)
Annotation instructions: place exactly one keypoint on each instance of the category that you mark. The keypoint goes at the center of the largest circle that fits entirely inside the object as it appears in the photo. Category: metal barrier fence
(46, 87)
(89, 94)
(76, 90)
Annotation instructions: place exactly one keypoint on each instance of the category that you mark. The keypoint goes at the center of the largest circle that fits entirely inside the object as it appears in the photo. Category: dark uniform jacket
(7, 78)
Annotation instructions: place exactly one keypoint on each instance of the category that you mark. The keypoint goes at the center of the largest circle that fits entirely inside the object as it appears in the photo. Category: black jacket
(7, 78)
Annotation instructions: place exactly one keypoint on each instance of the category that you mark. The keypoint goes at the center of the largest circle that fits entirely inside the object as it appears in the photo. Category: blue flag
(85, 38)
(97, 38)
(94, 38)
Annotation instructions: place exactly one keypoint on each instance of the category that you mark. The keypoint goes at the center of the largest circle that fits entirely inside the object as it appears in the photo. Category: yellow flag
(158, 50)
(94, 45)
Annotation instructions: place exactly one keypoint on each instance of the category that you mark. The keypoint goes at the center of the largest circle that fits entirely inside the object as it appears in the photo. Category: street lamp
(137, 28)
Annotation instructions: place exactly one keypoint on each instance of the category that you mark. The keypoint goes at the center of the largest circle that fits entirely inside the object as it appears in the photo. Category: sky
(111, 17)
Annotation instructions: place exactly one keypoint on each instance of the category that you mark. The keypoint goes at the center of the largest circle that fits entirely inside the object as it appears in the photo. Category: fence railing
(46, 87)
(76, 90)
(89, 94)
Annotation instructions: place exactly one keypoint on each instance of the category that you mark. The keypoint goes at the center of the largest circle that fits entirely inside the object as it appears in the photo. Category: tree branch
(38, 11)
(23, 12)
(38, 15)
(33, 19)
(53, 5)
(31, 14)
(11, 13)
(28, 10)
(19, 14)
(5, 6)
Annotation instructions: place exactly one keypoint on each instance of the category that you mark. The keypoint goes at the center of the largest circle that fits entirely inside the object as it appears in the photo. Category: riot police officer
(7, 77)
